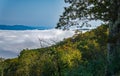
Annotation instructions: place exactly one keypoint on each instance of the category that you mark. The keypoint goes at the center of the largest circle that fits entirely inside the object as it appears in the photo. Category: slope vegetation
(84, 54)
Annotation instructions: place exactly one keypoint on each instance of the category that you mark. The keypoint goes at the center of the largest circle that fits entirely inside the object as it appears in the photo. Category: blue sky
(30, 12)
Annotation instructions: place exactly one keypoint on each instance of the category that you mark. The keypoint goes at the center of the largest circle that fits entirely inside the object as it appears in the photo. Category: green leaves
(80, 55)
(104, 10)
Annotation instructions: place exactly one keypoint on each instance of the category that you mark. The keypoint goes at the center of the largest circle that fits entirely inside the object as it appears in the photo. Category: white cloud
(14, 41)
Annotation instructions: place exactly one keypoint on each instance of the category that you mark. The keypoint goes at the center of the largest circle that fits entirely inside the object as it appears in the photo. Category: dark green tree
(1, 66)
(107, 11)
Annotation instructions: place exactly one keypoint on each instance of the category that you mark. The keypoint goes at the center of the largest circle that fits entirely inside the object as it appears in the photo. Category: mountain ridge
(22, 27)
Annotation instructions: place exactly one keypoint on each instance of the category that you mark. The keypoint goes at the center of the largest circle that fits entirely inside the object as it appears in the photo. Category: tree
(104, 10)
(1, 66)
(81, 55)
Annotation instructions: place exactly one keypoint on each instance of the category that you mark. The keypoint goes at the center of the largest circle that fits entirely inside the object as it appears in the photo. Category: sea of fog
(12, 42)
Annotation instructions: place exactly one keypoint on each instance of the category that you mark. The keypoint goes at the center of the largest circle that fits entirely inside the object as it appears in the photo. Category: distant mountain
(22, 27)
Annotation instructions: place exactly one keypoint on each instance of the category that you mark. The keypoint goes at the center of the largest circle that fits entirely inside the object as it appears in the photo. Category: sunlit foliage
(81, 55)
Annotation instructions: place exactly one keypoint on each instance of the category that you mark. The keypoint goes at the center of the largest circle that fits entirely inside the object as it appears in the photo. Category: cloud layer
(12, 42)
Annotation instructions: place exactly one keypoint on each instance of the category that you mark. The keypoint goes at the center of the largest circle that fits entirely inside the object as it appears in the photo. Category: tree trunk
(114, 46)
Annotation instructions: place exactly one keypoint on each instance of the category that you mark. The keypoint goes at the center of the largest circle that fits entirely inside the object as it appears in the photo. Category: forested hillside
(107, 11)
(84, 54)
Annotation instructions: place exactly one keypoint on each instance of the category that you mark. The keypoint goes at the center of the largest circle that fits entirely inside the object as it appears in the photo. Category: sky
(30, 12)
